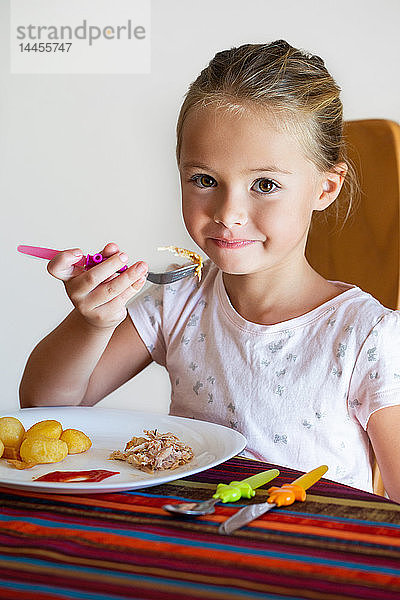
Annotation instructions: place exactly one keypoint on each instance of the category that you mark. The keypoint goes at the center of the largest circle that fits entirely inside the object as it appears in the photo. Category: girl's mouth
(231, 244)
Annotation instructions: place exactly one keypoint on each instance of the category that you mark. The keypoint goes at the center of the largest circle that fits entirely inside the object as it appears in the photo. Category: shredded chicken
(155, 452)
(195, 258)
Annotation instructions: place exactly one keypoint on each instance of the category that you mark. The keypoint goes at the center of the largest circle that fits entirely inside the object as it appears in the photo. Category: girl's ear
(331, 184)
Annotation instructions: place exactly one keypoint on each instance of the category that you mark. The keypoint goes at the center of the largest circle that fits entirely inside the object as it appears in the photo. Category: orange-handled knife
(283, 496)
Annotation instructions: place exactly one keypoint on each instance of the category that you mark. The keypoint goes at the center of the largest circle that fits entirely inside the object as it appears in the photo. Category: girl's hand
(100, 294)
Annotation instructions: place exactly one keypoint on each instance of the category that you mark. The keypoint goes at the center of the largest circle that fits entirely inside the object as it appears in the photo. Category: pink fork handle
(88, 261)
(47, 253)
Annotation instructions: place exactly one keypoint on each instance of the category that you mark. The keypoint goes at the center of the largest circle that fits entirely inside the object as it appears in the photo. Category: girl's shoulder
(362, 308)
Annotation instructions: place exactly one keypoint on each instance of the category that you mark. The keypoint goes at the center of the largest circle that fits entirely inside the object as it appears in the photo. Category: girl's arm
(76, 365)
(96, 348)
(384, 432)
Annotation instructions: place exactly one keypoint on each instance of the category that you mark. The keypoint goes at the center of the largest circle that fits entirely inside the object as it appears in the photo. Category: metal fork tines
(171, 276)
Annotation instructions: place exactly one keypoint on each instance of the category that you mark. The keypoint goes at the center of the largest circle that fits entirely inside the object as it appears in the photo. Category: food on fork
(195, 258)
(45, 442)
(157, 452)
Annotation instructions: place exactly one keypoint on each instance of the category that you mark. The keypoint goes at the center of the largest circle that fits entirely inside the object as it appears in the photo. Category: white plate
(109, 430)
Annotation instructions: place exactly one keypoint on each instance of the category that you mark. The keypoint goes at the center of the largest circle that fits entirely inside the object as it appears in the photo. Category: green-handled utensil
(224, 493)
(283, 496)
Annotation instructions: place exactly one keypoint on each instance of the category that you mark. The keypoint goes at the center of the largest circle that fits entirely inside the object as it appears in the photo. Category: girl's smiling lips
(224, 243)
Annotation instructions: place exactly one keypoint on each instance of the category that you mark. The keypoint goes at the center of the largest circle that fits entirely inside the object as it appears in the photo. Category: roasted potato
(43, 450)
(10, 452)
(1, 448)
(76, 441)
(11, 432)
(48, 428)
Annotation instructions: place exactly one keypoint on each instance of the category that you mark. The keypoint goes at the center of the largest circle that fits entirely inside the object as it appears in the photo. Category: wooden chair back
(366, 249)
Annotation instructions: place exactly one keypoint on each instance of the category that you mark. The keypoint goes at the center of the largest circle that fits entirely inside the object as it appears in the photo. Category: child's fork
(171, 276)
(90, 261)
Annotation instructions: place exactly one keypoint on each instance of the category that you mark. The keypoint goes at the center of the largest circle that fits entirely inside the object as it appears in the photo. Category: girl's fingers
(66, 265)
(117, 306)
(86, 282)
(110, 249)
(132, 278)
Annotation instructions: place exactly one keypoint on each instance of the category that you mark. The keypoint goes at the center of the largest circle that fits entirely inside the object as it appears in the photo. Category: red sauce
(77, 476)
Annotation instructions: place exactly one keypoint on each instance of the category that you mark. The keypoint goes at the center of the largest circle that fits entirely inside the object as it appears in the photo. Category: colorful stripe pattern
(340, 544)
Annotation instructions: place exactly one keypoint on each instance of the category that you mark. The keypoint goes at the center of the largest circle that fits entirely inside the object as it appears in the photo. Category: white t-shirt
(300, 391)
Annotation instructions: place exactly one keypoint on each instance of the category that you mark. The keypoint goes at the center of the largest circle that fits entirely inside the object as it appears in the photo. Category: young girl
(307, 369)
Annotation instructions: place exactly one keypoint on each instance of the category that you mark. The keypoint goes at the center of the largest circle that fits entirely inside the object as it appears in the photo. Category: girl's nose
(230, 213)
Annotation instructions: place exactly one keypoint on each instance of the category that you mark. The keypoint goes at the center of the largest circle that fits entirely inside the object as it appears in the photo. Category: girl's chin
(232, 267)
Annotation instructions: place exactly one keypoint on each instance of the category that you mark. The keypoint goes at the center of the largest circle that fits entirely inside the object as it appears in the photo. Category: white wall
(85, 159)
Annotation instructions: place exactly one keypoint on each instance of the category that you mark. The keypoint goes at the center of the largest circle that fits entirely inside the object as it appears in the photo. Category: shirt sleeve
(375, 382)
(146, 312)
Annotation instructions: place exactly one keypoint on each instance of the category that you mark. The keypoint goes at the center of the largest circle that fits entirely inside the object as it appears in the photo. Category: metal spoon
(224, 493)
(193, 508)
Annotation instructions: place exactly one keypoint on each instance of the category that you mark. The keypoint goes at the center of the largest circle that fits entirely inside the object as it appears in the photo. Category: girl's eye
(203, 181)
(264, 186)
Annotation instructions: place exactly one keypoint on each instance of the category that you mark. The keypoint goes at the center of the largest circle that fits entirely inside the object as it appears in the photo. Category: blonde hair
(292, 85)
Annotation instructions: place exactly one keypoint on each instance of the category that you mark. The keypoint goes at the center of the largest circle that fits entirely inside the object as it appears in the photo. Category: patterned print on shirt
(340, 471)
(233, 424)
(192, 321)
(371, 353)
(291, 357)
(280, 373)
(374, 375)
(336, 372)
(211, 380)
(331, 322)
(341, 350)
(152, 320)
(202, 337)
(307, 424)
(196, 387)
(185, 340)
(210, 398)
(279, 390)
(231, 407)
(354, 403)
(320, 415)
(265, 362)
(275, 347)
(280, 439)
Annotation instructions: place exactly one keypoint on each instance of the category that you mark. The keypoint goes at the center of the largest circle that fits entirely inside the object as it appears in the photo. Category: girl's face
(248, 190)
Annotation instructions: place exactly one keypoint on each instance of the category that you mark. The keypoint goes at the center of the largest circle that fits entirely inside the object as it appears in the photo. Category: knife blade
(243, 516)
(253, 511)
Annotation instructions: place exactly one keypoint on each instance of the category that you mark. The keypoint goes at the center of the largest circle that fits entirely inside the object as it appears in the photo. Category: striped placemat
(340, 543)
